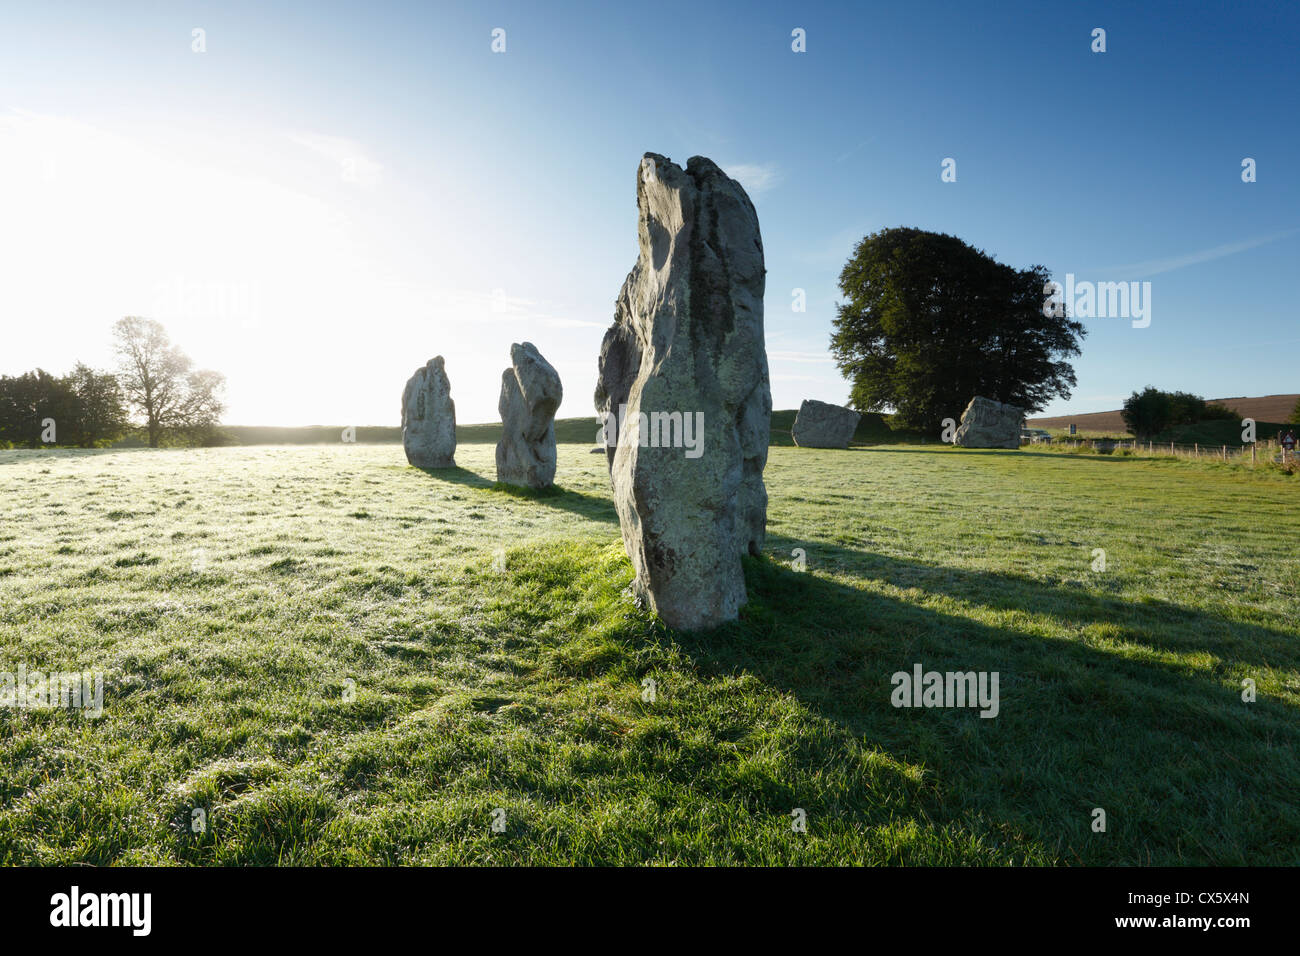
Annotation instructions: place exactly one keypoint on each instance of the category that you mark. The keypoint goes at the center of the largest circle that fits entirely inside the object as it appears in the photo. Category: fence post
(1252, 453)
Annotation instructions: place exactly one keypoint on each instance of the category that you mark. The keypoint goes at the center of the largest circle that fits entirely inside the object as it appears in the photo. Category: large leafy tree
(160, 383)
(929, 322)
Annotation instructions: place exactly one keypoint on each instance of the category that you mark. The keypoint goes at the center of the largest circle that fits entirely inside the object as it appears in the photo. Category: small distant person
(1288, 441)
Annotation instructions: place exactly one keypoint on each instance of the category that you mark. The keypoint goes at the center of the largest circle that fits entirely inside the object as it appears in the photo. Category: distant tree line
(1149, 412)
(83, 409)
(155, 393)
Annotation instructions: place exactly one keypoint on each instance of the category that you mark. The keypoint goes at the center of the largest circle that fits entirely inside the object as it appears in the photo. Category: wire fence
(1268, 450)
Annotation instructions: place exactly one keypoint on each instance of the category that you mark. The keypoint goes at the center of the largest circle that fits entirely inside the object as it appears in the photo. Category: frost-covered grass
(340, 659)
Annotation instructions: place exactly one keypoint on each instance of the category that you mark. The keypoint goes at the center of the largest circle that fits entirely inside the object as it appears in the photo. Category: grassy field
(582, 429)
(341, 659)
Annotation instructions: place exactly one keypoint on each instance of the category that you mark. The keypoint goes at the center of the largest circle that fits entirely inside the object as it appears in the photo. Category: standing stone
(683, 391)
(990, 424)
(429, 418)
(530, 394)
(823, 425)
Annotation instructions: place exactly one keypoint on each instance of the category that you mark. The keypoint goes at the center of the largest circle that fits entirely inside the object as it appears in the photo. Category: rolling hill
(1266, 408)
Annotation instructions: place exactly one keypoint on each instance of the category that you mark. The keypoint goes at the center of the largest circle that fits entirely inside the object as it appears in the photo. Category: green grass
(584, 430)
(566, 430)
(497, 662)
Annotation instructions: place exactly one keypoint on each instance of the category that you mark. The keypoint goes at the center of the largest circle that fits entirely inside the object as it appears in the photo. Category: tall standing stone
(429, 418)
(684, 393)
(530, 395)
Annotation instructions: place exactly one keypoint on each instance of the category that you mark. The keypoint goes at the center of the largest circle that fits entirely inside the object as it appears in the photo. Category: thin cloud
(353, 162)
(835, 250)
(1151, 267)
(819, 358)
(844, 156)
(574, 324)
(497, 306)
(492, 305)
(755, 177)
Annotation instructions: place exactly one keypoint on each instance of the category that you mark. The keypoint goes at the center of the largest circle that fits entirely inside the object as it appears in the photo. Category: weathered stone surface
(530, 394)
(823, 425)
(684, 393)
(429, 418)
(989, 424)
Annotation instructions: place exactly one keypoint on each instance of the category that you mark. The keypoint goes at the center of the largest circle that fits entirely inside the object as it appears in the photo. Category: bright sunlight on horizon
(316, 205)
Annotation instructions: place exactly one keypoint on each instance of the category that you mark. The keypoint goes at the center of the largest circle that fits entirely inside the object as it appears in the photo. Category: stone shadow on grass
(1158, 625)
(1187, 772)
(589, 506)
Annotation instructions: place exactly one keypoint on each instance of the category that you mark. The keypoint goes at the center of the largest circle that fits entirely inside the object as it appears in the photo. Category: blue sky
(332, 193)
